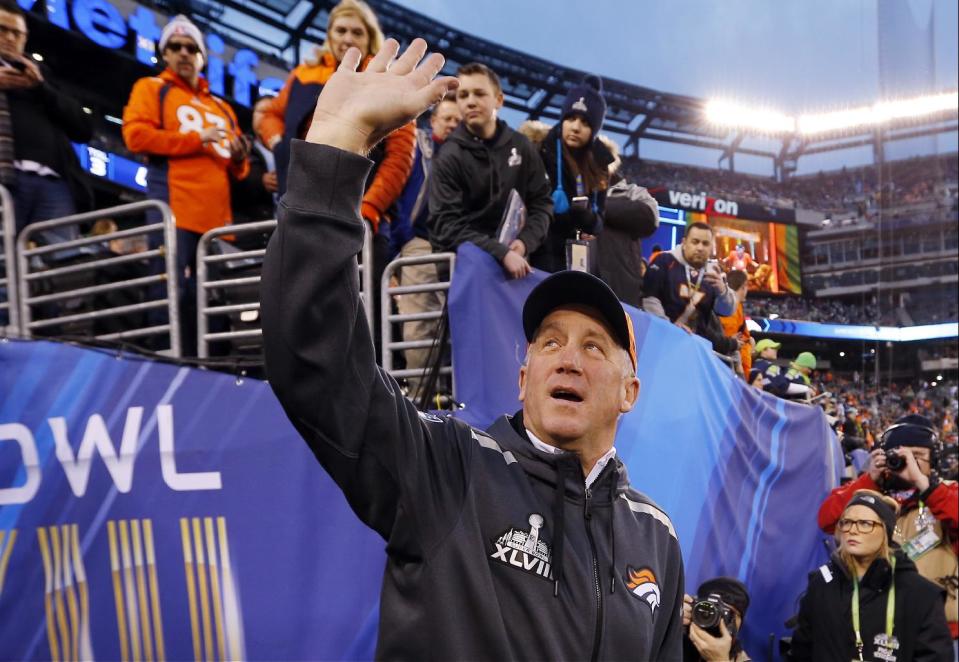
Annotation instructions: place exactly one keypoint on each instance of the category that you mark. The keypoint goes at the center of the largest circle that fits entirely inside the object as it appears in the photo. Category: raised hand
(358, 109)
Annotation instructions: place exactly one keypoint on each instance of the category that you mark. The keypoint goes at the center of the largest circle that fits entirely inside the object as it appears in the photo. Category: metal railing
(228, 284)
(49, 275)
(8, 273)
(389, 320)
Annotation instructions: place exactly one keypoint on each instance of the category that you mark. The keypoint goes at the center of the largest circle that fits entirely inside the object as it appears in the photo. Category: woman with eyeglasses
(869, 602)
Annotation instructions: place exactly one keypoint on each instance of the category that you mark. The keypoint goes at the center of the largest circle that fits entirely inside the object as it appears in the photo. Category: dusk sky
(792, 56)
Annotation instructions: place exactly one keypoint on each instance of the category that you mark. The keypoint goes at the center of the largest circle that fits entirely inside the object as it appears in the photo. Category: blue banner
(740, 472)
(149, 511)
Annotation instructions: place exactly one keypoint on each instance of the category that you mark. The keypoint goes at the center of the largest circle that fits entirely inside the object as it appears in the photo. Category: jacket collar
(502, 137)
(677, 252)
(593, 473)
(601, 152)
(879, 574)
(170, 76)
(547, 466)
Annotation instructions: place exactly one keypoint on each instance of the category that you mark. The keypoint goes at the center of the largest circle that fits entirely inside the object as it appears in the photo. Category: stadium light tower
(760, 120)
(771, 122)
(877, 114)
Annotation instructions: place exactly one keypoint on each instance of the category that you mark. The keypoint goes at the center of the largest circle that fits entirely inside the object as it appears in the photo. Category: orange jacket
(735, 325)
(192, 177)
(288, 116)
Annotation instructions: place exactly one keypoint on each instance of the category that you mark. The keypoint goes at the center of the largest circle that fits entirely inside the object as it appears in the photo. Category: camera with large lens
(895, 461)
(708, 612)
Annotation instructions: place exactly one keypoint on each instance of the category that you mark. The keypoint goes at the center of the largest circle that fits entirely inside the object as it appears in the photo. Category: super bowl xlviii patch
(514, 158)
(524, 550)
(885, 647)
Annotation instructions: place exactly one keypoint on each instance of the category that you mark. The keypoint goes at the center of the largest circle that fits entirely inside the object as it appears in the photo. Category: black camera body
(708, 612)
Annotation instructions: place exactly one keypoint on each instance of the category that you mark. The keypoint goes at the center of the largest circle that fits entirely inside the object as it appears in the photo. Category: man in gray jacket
(522, 542)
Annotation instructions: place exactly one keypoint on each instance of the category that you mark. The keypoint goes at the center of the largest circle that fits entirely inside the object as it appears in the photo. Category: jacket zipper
(597, 636)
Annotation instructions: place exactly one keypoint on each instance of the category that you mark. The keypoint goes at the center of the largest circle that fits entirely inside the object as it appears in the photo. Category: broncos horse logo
(642, 584)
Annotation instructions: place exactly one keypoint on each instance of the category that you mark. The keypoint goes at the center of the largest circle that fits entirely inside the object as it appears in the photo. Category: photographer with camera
(905, 466)
(868, 602)
(713, 620)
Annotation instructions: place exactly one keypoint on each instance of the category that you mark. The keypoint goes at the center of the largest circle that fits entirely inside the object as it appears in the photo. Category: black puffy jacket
(551, 256)
(825, 633)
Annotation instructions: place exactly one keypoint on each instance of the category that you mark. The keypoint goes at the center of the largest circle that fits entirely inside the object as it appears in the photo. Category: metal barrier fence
(228, 284)
(9, 308)
(389, 320)
(49, 275)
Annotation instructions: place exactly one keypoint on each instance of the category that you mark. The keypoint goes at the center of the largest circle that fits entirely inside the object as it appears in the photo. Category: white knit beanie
(181, 25)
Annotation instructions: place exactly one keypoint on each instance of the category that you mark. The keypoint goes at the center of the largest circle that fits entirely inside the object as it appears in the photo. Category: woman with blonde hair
(288, 115)
(869, 602)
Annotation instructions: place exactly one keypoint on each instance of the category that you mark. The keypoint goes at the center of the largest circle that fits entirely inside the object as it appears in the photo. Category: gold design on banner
(201, 582)
(141, 589)
(48, 594)
(215, 585)
(58, 605)
(67, 616)
(69, 591)
(129, 592)
(118, 591)
(137, 601)
(190, 584)
(234, 625)
(80, 576)
(154, 590)
(206, 554)
(5, 552)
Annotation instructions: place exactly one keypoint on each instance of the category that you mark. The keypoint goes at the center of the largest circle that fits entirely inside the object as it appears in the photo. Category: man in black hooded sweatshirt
(482, 162)
(522, 542)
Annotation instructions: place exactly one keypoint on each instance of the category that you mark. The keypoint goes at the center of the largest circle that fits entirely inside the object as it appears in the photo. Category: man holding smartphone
(40, 169)
(194, 144)
(684, 286)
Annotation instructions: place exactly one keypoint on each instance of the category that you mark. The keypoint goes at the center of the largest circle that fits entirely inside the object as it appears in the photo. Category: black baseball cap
(566, 288)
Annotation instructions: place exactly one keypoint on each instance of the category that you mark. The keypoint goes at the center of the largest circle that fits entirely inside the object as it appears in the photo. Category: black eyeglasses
(177, 46)
(865, 526)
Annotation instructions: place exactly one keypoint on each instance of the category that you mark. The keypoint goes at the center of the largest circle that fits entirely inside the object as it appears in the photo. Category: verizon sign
(702, 202)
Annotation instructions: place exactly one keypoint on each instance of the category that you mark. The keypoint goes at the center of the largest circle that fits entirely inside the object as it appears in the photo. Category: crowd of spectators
(907, 311)
(826, 311)
(863, 410)
(212, 174)
(861, 190)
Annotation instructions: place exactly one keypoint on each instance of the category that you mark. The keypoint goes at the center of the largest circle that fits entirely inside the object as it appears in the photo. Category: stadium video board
(767, 251)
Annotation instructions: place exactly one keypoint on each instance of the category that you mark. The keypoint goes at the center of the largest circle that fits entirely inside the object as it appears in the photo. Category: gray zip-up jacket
(470, 187)
(495, 549)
